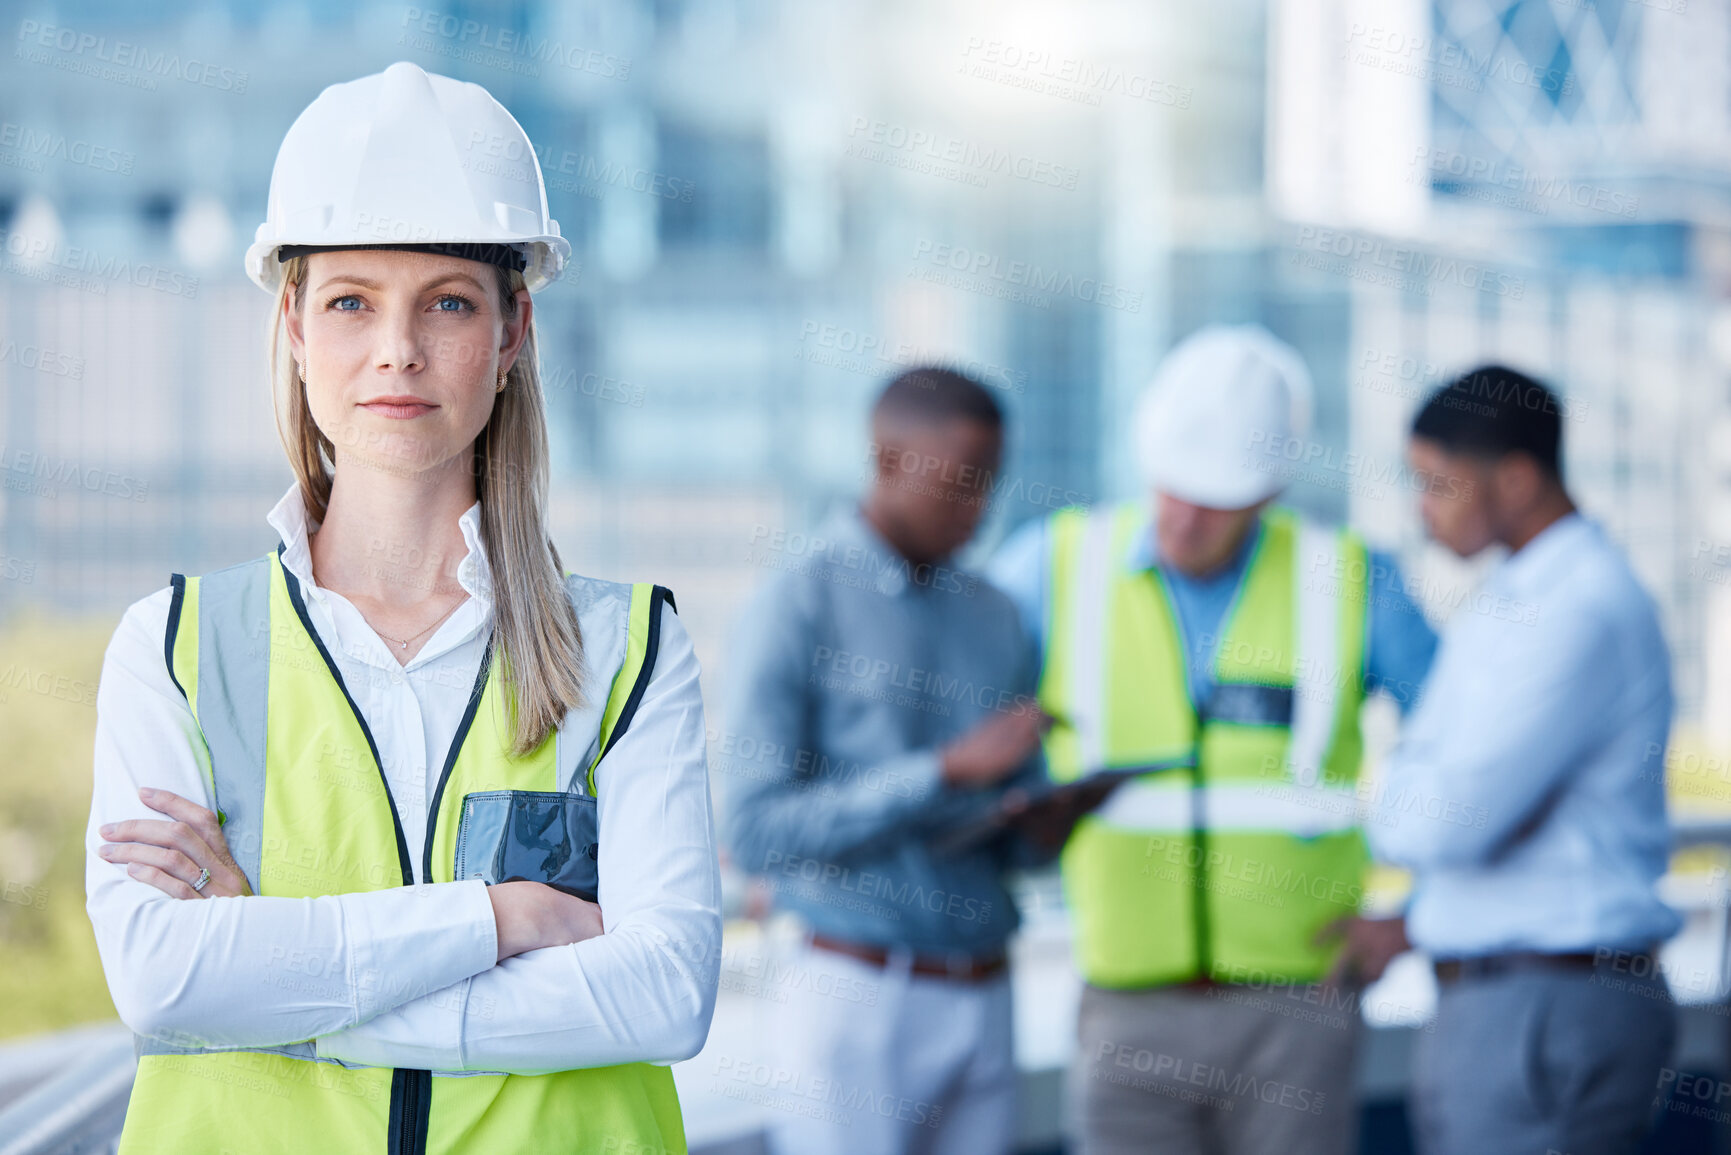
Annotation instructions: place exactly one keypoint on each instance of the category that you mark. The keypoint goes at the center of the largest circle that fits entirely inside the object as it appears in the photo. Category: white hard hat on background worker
(1203, 630)
(407, 157)
(1210, 427)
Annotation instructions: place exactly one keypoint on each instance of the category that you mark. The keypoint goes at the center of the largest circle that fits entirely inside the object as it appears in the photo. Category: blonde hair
(536, 640)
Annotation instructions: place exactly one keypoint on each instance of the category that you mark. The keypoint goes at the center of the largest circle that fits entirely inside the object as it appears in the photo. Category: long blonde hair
(536, 639)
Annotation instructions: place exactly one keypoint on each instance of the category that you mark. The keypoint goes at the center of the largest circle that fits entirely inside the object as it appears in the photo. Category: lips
(398, 407)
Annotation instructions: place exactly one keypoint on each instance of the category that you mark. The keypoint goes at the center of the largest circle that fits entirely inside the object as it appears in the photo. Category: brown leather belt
(1201, 983)
(1452, 970)
(961, 967)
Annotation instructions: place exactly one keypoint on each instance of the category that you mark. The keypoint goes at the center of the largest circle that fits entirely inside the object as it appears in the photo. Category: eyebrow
(363, 282)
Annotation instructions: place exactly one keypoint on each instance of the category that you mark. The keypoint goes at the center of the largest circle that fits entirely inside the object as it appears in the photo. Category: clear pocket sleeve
(530, 835)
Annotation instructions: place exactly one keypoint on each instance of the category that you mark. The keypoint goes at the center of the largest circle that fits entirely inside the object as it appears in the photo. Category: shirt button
(396, 678)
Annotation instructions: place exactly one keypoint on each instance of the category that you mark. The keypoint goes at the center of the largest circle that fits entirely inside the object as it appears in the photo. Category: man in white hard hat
(1220, 646)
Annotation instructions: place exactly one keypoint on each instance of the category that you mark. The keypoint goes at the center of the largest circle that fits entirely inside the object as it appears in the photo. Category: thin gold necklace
(403, 643)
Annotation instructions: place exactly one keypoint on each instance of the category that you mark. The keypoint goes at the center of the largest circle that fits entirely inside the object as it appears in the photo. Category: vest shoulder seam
(585, 591)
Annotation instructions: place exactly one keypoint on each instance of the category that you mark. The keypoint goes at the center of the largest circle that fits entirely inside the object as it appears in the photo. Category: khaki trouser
(1215, 1071)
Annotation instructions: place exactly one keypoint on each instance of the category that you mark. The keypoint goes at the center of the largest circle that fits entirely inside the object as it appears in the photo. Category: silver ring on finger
(203, 877)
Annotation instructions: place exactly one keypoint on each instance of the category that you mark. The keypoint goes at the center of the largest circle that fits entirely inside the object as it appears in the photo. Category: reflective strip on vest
(1088, 650)
(1234, 865)
(1305, 811)
(1318, 675)
(1318, 642)
(231, 613)
(643, 638)
(306, 811)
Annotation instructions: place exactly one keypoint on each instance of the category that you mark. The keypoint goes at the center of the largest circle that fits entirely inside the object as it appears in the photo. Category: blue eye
(461, 304)
(341, 304)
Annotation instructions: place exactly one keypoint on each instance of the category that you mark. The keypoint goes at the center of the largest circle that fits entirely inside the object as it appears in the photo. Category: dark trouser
(1214, 1071)
(1532, 1062)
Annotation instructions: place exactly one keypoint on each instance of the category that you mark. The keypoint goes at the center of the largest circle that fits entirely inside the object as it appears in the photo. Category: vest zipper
(411, 1099)
(457, 740)
(1199, 835)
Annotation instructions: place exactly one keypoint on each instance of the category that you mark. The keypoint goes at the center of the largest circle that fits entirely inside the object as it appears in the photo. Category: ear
(516, 330)
(995, 457)
(296, 329)
(1518, 480)
(882, 454)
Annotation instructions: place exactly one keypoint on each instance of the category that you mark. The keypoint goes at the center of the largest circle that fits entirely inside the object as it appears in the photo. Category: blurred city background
(774, 207)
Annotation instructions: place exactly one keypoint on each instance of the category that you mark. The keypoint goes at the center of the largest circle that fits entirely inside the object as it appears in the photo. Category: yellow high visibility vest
(271, 705)
(1227, 867)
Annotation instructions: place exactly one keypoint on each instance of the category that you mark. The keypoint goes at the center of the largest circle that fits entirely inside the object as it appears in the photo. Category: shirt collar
(1528, 566)
(289, 519)
(889, 569)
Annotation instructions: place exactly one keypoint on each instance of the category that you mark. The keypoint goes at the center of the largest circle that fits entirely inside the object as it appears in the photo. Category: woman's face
(402, 352)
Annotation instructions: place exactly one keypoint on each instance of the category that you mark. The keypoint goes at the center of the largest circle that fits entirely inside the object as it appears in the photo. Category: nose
(1181, 516)
(400, 347)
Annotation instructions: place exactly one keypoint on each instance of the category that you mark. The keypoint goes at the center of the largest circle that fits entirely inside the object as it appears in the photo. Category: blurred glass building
(776, 206)
(1544, 184)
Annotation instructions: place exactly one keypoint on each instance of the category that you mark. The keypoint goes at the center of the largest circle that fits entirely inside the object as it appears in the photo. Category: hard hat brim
(1222, 490)
(545, 257)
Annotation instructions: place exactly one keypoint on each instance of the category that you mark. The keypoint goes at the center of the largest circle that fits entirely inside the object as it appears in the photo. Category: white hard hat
(406, 157)
(1217, 425)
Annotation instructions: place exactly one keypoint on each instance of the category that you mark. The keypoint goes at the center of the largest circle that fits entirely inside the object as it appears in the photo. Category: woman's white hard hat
(407, 157)
(1219, 424)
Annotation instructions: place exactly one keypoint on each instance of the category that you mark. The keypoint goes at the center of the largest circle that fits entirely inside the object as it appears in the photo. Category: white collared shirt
(413, 710)
(406, 977)
(1527, 792)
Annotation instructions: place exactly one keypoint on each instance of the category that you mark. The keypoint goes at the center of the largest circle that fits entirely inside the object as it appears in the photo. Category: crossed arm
(449, 976)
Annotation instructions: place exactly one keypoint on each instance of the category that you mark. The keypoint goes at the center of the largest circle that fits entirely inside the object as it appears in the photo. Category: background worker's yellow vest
(301, 821)
(1229, 867)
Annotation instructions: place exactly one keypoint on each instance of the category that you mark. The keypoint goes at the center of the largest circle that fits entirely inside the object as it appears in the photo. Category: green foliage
(50, 975)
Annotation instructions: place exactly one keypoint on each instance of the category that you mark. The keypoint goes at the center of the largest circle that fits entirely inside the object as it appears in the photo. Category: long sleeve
(1013, 851)
(1485, 752)
(643, 991)
(1399, 643)
(243, 971)
(1520, 792)
(1019, 569)
(782, 797)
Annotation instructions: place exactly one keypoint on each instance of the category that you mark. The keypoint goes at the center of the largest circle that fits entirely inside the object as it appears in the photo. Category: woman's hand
(170, 855)
(531, 915)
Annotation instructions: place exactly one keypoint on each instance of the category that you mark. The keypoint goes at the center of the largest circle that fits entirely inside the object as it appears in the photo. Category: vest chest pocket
(530, 836)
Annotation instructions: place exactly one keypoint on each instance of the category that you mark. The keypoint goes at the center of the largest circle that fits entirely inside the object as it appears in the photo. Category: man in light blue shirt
(1527, 798)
